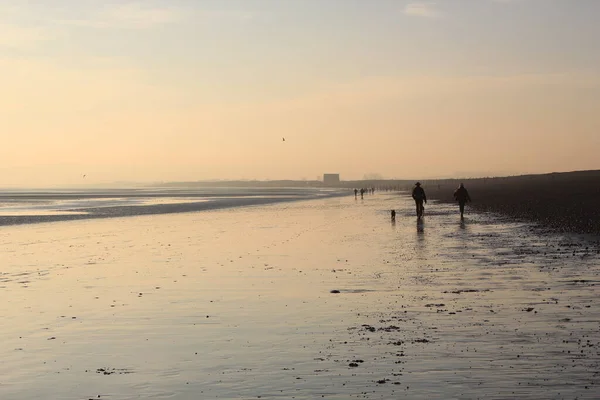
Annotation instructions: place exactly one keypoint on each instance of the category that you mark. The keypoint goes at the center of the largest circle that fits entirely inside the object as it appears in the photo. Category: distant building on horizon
(331, 179)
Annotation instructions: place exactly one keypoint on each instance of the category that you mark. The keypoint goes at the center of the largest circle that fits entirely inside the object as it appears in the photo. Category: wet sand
(237, 304)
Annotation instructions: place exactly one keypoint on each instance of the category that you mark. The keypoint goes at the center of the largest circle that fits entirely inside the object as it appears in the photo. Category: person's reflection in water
(420, 229)
(420, 240)
(463, 234)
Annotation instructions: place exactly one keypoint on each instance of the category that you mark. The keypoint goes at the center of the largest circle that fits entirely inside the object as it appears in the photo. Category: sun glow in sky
(201, 89)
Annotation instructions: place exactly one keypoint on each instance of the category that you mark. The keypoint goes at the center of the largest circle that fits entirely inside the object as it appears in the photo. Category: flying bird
(283, 139)
(84, 175)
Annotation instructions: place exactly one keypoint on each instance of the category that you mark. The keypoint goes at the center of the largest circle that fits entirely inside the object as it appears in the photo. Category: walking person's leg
(461, 206)
(419, 208)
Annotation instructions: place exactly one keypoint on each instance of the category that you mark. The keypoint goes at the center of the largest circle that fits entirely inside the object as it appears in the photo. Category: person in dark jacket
(462, 196)
(418, 194)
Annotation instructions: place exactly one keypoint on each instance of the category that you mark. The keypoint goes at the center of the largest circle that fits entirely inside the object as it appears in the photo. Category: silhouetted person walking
(362, 193)
(355, 193)
(462, 196)
(418, 194)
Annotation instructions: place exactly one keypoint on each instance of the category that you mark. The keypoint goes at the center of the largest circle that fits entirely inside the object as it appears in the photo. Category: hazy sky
(198, 89)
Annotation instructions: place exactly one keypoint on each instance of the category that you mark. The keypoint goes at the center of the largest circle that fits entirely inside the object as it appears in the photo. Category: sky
(185, 90)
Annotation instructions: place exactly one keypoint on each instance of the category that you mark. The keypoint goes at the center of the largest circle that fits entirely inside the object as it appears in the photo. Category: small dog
(393, 215)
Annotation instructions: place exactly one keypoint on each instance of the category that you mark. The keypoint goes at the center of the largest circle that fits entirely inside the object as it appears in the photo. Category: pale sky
(162, 90)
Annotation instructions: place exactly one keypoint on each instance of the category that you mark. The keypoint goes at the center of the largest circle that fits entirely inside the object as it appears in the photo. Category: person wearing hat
(418, 194)
(462, 196)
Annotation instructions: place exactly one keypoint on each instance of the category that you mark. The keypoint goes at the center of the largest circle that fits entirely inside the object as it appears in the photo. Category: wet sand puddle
(239, 304)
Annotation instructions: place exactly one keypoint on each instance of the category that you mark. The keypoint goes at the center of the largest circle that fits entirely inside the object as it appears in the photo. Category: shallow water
(32, 207)
(236, 304)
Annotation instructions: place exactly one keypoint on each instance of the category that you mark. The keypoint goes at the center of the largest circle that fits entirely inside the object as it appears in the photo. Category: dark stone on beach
(111, 371)
(468, 291)
(369, 328)
(353, 365)
(334, 291)
(390, 328)
(529, 309)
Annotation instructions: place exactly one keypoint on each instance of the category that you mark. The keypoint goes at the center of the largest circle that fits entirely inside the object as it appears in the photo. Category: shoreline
(206, 202)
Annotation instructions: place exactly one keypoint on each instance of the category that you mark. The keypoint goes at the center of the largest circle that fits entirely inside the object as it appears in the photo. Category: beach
(242, 303)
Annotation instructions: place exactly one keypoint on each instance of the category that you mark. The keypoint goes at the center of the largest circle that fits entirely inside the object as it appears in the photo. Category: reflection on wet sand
(307, 300)
(420, 227)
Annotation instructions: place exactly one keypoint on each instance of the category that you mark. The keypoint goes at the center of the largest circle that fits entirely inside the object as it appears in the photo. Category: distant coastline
(403, 184)
(561, 202)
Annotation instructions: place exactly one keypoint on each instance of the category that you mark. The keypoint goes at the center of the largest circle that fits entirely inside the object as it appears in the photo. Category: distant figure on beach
(462, 196)
(418, 194)
(393, 215)
(355, 193)
(362, 193)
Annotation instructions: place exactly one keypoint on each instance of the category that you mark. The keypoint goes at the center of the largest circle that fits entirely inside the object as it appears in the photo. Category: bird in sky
(84, 175)
(283, 139)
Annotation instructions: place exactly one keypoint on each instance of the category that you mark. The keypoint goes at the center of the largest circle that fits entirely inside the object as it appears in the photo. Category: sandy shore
(236, 304)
